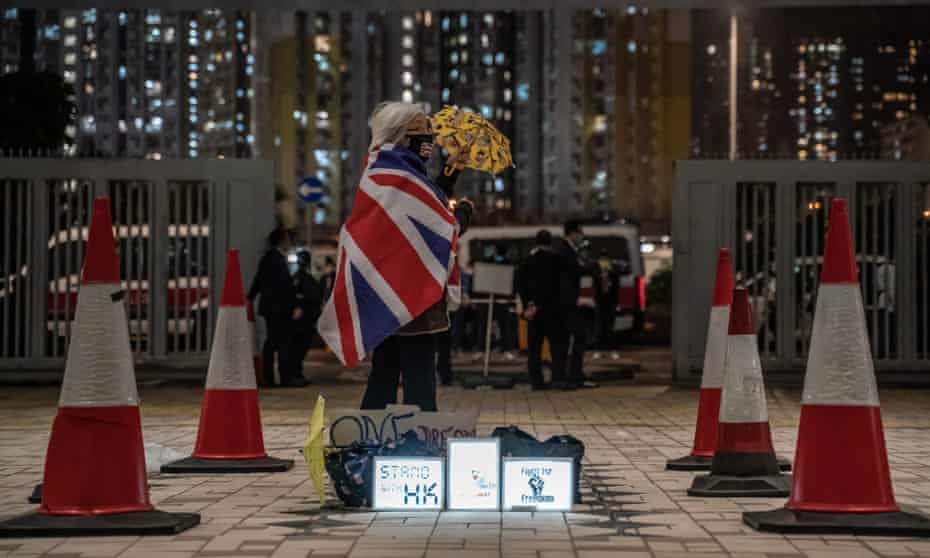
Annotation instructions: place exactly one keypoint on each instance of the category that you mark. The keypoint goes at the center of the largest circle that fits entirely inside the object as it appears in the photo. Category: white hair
(389, 121)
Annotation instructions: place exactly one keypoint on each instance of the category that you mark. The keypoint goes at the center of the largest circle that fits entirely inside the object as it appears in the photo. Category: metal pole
(487, 336)
(309, 218)
(734, 82)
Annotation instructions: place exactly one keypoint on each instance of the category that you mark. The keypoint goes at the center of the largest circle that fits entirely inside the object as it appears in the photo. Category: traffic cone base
(837, 484)
(896, 524)
(230, 439)
(712, 374)
(117, 481)
(258, 465)
(240, 414)
(726, 486)
(152, 522)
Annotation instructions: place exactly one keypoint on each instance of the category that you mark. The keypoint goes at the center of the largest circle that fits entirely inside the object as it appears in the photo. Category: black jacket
(309, 298)
(538, 279)
(573, 266)
(273, 286)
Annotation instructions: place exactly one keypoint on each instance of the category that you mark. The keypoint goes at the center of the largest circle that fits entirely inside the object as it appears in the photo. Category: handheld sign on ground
(408, 483)
(538, 484)
(474, 474)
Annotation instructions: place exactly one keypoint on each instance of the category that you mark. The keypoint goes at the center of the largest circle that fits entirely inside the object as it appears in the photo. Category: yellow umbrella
(489, 149)
(313, 449)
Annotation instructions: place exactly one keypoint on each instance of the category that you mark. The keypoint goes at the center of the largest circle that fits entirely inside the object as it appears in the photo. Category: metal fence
(173, 221)
(773, 215)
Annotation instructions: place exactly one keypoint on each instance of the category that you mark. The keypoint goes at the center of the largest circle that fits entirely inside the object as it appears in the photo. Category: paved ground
(634, 508)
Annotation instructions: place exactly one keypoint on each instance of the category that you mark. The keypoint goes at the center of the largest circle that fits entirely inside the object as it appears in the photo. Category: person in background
(310, 301)
(538, 287)
(329, 277)
(577, 298)
(277, 304)
(605, 299)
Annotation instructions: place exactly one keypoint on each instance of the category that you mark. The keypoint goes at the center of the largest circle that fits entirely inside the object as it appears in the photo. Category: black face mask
(417, 142)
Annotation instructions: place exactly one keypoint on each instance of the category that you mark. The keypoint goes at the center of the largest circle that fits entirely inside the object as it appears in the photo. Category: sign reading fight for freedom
(408, 483)
(540, 484)
(474, 474)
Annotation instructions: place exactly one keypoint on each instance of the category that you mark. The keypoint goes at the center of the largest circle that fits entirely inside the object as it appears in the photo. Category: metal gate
(172, 223)
(773, 216)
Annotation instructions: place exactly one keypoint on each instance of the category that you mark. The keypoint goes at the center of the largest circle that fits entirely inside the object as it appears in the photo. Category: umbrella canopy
(458, 129)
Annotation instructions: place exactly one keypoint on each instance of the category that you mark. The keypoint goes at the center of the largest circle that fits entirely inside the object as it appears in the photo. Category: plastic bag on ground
(156, 456)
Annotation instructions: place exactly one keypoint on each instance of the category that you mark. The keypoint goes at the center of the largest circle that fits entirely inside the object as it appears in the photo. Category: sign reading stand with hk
(538, 484)
(474, 473)
(408, 483)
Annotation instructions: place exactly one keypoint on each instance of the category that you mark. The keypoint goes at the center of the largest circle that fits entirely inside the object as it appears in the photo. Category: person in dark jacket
(411, 350)
(310, 301)
(538, 286)
(576, 269)
(277, 304)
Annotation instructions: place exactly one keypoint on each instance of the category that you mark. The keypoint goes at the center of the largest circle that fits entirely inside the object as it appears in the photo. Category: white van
(512, 245)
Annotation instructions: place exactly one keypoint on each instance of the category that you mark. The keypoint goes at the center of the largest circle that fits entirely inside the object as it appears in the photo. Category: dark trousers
(605, 326)
(279, 339)
(546, 325)
(414, 356)
(444, 357)
(578, 329)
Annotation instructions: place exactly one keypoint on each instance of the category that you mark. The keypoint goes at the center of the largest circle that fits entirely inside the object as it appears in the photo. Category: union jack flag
(396, 253)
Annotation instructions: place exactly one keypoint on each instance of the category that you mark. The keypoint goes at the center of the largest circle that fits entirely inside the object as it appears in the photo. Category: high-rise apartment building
(148, 83)
(813, 83)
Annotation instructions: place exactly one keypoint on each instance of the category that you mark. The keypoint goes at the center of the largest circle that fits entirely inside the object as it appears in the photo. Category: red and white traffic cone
(842, 481)
(230, 439)
(705, 431)
(95, 481)
(256, 350)
(744, 462)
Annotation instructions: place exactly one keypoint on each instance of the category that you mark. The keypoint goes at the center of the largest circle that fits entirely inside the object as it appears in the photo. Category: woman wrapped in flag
(396, 258)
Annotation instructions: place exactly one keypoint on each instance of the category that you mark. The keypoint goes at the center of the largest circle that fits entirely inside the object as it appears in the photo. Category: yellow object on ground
(313, 449)
(456, 128)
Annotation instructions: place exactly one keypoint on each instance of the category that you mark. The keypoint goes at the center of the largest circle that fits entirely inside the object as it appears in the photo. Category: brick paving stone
(633, 507)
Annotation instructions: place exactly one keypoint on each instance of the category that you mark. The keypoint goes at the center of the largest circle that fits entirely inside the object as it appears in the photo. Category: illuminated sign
(538, 484)
(474, 473)
(408, 483)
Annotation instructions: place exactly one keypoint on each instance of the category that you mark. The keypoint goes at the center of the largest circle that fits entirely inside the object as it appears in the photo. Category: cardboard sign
(538, 484)
(493, 279)
(382, 426)
(408, 483)
(474, 474)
